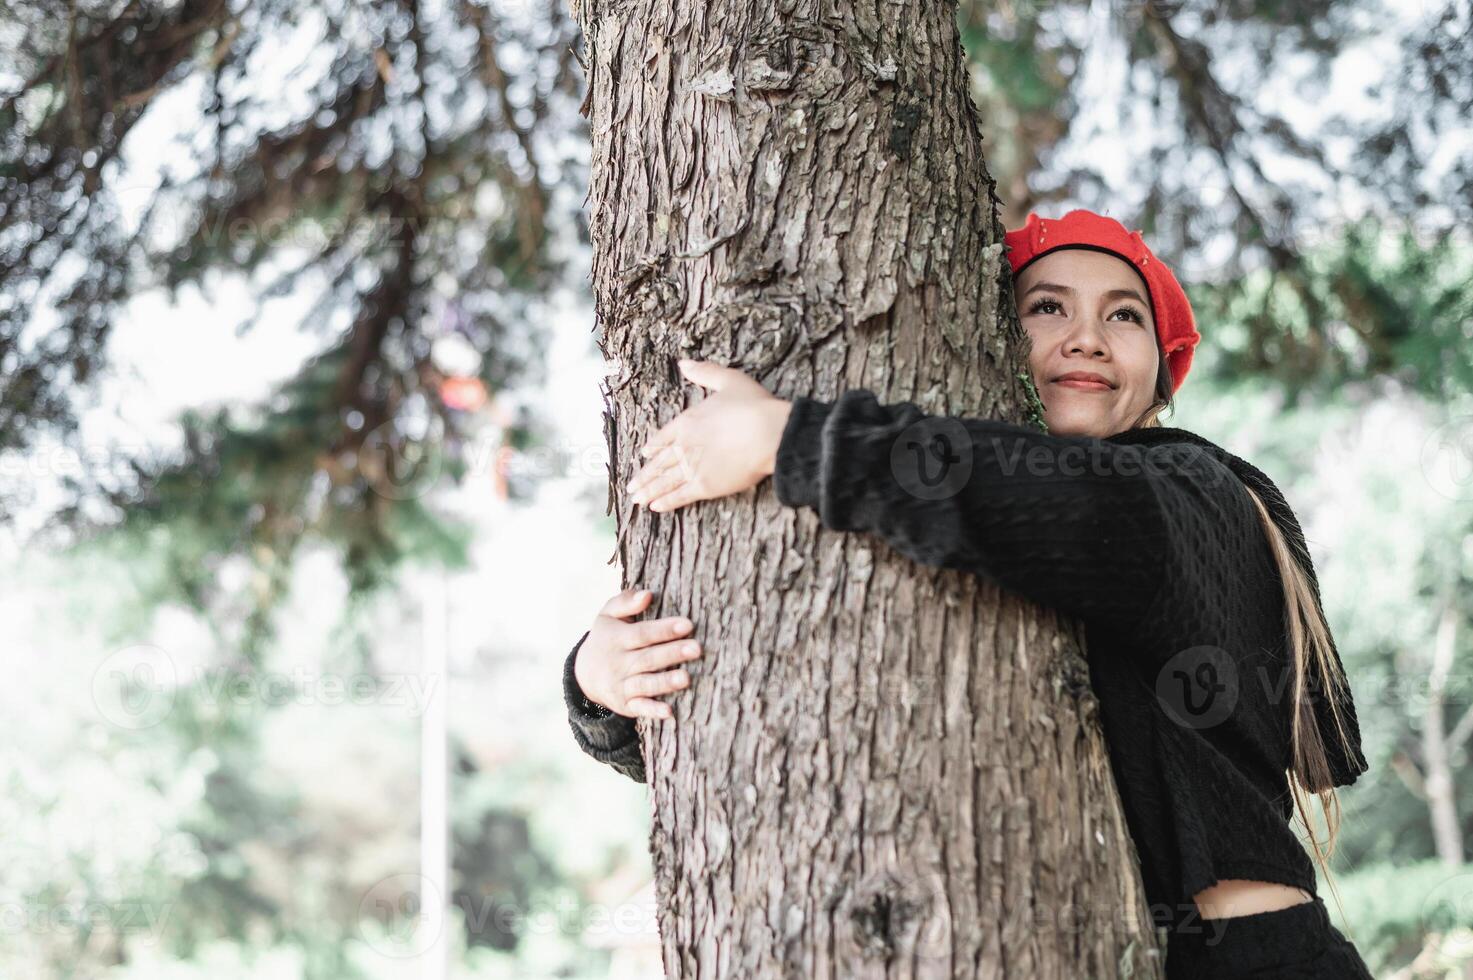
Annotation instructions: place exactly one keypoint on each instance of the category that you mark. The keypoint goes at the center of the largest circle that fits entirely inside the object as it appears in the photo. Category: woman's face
(1087, 311)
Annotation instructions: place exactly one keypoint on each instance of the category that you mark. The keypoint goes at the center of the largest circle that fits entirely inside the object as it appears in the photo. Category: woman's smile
(1084, 381)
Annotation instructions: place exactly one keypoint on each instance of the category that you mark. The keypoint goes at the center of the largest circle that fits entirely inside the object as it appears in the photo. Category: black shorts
(1296, 943)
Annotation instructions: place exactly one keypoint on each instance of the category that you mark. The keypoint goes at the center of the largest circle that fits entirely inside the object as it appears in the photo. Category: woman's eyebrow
(1069, 291)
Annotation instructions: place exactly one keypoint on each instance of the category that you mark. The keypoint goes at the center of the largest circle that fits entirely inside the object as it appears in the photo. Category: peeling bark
(880, 769)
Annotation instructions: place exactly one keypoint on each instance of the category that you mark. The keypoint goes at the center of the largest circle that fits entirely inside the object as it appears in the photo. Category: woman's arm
(1072, 522)
(618, 671)
(608, 737)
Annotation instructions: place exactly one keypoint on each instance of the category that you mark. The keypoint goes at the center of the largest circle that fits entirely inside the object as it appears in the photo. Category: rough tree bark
(880, 769)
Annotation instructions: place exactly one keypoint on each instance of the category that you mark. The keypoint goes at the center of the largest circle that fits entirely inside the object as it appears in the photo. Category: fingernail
(691, 649)
(682, 624)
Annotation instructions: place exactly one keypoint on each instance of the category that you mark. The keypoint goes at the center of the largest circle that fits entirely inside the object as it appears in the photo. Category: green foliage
(1035, 403)
(1376, 300)
(1015, 57)
(502, 873)
(1392, 910)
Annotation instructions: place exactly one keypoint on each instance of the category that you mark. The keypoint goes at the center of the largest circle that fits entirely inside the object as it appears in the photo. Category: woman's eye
(1130, 311)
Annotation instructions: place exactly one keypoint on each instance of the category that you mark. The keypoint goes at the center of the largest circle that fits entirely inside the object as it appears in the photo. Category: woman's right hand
(621, 665)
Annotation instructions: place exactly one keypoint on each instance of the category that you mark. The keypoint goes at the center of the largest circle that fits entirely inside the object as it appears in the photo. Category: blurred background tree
(414, 172)
(379, 155)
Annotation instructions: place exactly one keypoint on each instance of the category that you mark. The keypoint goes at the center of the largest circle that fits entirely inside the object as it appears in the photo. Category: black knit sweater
(1147, 536)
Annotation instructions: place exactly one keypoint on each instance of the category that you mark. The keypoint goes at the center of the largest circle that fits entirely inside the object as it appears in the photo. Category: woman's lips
(1084, 385)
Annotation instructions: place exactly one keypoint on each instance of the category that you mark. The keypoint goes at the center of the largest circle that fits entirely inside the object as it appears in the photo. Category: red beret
(1175, 326)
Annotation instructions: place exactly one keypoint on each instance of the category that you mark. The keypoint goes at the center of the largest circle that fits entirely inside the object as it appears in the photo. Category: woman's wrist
(573, 692)
(782, 408)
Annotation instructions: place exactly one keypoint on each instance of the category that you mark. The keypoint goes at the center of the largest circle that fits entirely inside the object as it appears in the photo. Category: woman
(1222, 696)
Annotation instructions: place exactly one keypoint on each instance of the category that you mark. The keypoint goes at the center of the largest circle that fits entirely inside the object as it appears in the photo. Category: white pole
(434, 769)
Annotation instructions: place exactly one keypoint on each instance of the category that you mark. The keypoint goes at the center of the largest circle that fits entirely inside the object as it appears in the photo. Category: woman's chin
(1076, 420)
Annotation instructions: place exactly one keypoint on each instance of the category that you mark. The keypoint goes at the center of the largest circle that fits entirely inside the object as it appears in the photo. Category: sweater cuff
(798, 465)
(578, 704)
(606, 736)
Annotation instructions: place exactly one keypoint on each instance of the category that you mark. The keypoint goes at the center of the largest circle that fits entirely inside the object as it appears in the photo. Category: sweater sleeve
(1071, 522)
(608, 737)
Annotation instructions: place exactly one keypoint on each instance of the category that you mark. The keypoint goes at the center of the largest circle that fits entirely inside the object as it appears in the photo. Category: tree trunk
(880, 769)
(1441, 787)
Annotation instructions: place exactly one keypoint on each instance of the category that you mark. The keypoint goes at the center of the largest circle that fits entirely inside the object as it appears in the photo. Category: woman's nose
(1087, 335)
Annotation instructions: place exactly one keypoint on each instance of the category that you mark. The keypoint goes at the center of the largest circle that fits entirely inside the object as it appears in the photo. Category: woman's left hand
(721, 446)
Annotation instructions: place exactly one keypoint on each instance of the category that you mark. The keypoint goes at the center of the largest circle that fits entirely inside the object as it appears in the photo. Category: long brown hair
(1310, 650)
(1308, 636)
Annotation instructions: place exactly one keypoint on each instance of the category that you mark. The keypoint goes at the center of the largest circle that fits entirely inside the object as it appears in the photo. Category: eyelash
(1134, 313)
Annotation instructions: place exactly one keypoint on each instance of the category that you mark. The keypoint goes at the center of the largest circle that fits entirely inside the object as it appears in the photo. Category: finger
(677, 460)
(680, 496)
(663, 436)
(627, 603)
(659, 485)
(664, 459)
(651, 631)
(648, 708)
(663, 655)
(653, 685)
(707, 374)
